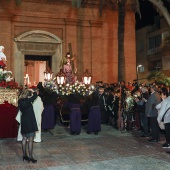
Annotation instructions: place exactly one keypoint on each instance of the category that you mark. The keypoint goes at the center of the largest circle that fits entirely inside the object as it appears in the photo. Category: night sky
(147, 12)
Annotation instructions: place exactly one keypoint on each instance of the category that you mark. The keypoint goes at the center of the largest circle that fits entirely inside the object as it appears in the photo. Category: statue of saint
(70, 69)
(3, 60)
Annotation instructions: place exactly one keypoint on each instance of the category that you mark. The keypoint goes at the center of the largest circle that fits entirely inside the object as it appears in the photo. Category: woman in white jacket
(165, 107)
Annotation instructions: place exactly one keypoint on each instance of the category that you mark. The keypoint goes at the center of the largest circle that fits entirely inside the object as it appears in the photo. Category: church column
(84, 48)
(130, 46)
(71, 37)
(71, 34)
(96, 50)
(18, 65)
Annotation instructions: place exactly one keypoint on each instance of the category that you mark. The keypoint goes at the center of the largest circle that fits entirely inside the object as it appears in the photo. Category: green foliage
(167, 39)
(2, 77)
(76, 3)
(159, 78)
(18, 2)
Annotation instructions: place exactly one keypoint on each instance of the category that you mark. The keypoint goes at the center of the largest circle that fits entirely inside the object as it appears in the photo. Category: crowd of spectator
(133, 106)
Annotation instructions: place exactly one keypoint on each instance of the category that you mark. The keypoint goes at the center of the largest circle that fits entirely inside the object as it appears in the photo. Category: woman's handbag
(161, 125)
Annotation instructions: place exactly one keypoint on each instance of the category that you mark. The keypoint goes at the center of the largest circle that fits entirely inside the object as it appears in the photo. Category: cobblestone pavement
(110, 150)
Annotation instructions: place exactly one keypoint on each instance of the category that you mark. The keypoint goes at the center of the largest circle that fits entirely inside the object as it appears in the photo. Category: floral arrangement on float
(77, 87)
(50, 85)
(7, 81)
(10, 85)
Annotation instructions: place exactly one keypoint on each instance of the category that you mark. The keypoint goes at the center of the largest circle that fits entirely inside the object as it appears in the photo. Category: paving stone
(110, 150)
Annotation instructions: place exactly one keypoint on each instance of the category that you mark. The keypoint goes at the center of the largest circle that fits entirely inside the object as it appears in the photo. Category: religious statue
(3, 60)
(27, 80)
(70, 69)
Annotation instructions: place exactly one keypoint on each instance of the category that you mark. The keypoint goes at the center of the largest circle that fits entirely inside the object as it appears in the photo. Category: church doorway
(34, 67)
(34, 48)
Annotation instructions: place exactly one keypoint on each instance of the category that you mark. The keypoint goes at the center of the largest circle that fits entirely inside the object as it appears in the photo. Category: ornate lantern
(87, 77)
(60, 77)
(48, 74)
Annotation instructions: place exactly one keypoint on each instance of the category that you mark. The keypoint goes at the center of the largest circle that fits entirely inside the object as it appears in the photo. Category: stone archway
(36, 42)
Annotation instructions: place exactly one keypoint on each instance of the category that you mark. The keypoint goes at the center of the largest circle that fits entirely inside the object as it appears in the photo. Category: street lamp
(137, 70)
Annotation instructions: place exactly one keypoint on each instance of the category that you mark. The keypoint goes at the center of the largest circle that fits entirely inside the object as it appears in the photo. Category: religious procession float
(9, 89)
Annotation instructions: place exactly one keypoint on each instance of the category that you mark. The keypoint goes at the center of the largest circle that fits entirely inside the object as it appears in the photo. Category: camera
(30, 93)
(135, 95)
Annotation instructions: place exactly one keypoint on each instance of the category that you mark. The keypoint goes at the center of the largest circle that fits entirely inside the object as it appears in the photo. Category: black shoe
(45, 130)
(123, 131)
(153, 140)
(73, 133)
(144, 136)
(25, 158)
(96, 133)
(77, 133)
(166, 145)
(32, 160)
(139, 129)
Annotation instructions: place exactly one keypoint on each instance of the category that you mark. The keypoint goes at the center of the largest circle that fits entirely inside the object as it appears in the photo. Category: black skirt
(32, 134)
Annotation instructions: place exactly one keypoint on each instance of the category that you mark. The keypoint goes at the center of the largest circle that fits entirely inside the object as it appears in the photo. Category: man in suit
(152, 113)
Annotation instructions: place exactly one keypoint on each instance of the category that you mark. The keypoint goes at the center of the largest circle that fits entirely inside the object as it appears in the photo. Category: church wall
(93, 38)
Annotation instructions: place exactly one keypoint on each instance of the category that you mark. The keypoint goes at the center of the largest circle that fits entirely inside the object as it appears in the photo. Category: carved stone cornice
(28, 47)
(96, 23)
(85, 3)
(70, 21)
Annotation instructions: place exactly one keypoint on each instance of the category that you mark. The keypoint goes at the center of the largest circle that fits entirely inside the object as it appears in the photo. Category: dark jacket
(28, 121)
(152, 101)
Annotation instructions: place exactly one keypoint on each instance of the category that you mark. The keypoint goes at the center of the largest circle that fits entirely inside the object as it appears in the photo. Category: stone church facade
(49, 28)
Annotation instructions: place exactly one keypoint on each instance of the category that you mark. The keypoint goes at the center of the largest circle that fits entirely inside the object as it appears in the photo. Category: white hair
(144, 90)
(1, 48)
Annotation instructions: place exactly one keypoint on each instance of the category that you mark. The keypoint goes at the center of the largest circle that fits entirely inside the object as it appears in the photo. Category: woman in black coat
(28, 122)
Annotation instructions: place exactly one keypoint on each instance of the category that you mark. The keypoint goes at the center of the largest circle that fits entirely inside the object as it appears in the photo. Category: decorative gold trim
(9, 95)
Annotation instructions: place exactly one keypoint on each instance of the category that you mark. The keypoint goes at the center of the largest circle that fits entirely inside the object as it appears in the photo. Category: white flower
(9, 72)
